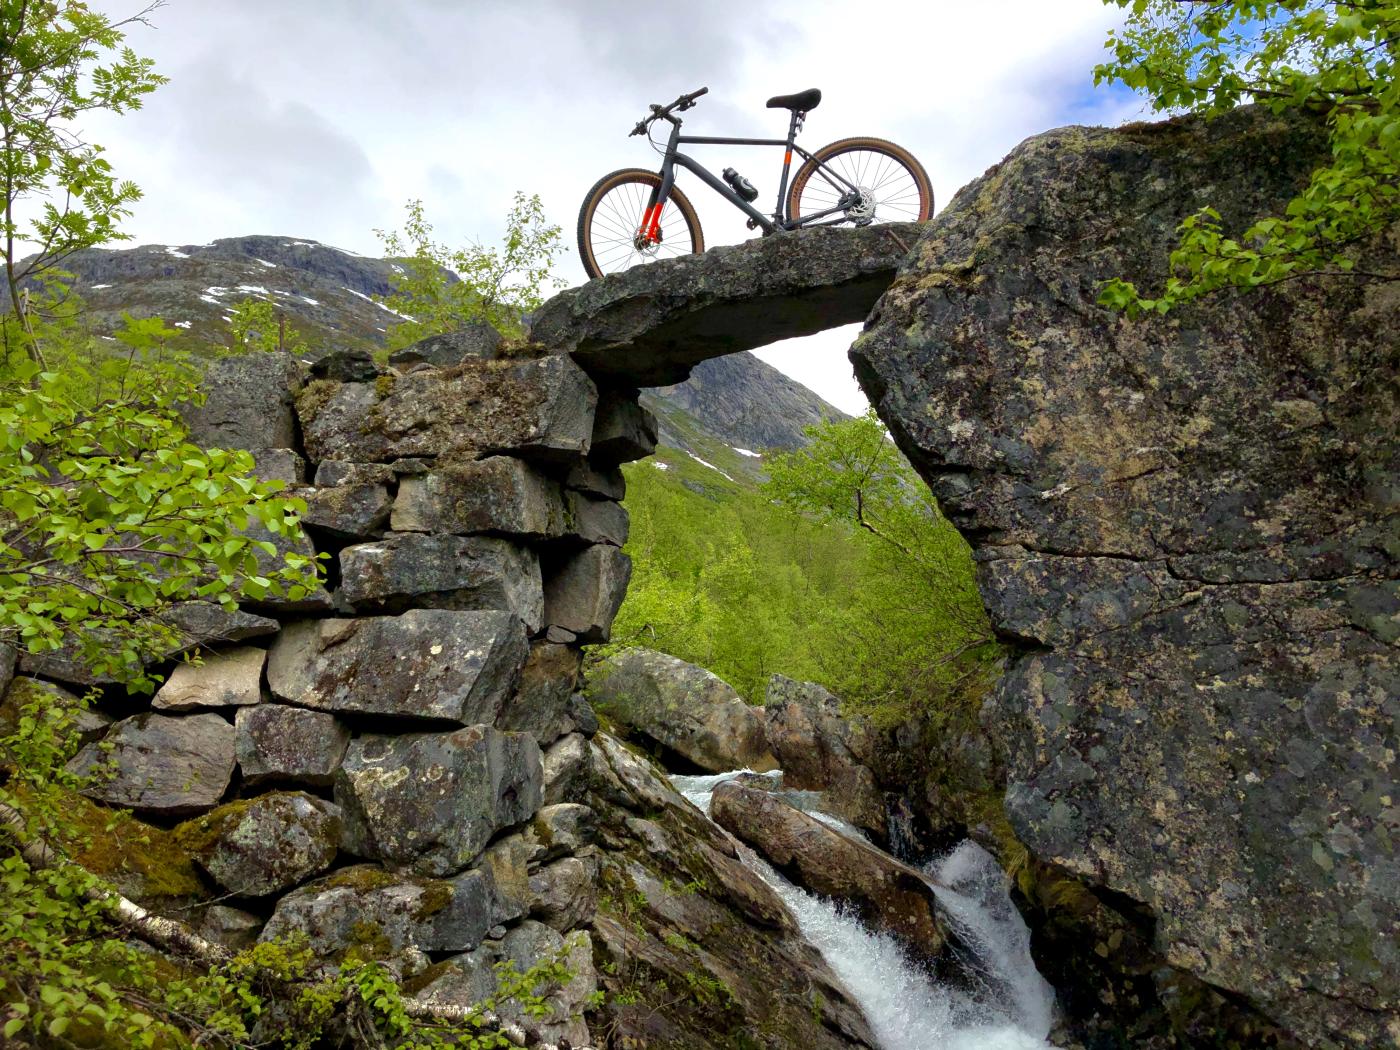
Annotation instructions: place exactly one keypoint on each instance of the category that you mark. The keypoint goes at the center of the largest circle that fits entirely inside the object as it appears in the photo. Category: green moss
(363, 877)
(314, 397)
(384, 386)
(416, 984)
(436, 896)
(368, 941)
(145, 862)
(199, 834)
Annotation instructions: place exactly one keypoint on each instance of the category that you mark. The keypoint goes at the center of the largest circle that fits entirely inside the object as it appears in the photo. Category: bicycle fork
(649, 233)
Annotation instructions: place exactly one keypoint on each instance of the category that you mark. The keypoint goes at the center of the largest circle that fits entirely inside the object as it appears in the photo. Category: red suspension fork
(649, 232)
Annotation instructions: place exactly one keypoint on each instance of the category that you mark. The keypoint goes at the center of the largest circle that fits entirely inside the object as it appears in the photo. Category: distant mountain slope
(729, 407)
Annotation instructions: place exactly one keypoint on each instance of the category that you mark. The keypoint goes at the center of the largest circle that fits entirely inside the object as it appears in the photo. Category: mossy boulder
(264, 845)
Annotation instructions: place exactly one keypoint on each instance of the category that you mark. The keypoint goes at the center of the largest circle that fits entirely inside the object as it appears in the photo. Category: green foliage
(440, 289)
(839, 571)
(1336, 58)
(259, 327)
(108, 515)
(69, 977)
(60, 60)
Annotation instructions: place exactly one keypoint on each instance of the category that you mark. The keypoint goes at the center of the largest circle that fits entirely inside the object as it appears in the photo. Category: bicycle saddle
(801, 102)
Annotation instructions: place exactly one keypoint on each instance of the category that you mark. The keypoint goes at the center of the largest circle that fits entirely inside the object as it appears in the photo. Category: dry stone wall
(399, 766)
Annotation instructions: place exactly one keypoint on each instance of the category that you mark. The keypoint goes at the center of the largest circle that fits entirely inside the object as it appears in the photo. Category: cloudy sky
(319, 118)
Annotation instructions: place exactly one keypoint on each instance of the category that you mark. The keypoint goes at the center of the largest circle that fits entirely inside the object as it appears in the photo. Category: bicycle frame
(651, 221)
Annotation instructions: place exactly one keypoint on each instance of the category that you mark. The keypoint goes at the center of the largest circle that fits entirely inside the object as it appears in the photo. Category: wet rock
(232, 678)
(585, 593)
(427, 663)
(470, 978)
(85, 723)
(819, 749)
(564, 767)
(264, 845)
(497, 494)
(163, 764)
(1203, 565)
(248, 403)
(685, 925)
(431, 801)
(540, 408)
(475, 341)
(234, 928)
(369, 913)
(444, 572)
(542, 703)
(623, 430)
(651, 325)
(276, 742)
(684, 709)
(886, 894)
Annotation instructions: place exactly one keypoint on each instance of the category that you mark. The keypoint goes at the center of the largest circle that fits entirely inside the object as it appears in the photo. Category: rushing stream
(907, 1010)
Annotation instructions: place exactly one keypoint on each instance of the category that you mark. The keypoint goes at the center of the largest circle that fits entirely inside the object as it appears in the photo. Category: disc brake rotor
(863, 210)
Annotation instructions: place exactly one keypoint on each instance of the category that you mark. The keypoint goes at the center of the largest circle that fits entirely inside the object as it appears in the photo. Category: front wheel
(619, 225)
(862, 181)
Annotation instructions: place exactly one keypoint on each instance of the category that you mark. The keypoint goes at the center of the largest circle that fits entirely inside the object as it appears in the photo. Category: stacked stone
(354, 765)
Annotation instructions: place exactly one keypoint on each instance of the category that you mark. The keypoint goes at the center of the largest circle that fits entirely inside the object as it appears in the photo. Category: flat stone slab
(427, 663)
(650, 325)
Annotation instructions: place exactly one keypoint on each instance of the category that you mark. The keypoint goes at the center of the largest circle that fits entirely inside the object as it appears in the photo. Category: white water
(906, 1009)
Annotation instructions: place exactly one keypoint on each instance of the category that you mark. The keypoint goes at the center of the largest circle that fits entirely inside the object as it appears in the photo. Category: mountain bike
(636, 216)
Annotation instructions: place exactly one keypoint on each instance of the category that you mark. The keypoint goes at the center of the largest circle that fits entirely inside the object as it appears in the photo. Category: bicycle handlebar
(681, 104)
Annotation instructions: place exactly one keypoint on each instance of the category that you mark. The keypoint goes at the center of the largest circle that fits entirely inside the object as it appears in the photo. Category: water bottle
(740, 185)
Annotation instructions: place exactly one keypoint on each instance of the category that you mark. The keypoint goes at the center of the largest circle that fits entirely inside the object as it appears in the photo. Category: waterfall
(905, 1008)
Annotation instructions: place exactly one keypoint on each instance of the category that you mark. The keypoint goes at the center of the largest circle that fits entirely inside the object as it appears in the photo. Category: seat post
(793, 125)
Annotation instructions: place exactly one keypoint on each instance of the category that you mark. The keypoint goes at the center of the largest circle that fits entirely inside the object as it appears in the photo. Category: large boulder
(366, 912)
(540, 408)
(432, 801)
(268, 844)
(543, 701)
(500, 494)
(1188, 523)
(477, 340)
(820, 749)
(247, 403)
(886, 894)
(427, 663)
(683, 926)
(688, 712)
(160, 764)
(444, 572)
(649, 326)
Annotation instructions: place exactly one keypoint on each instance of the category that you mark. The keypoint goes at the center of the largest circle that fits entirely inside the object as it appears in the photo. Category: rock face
(1190, 524)
(886, 894)
(229, 679)
(685, 709)
(277, 742)
(651, 325)
(819, 749)
(678, 910)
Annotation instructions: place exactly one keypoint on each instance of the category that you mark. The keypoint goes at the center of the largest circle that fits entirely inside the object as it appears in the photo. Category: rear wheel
(618, 227)
(893, 186)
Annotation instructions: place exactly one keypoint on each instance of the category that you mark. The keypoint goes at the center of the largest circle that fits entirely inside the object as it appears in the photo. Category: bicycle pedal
(751, 224)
